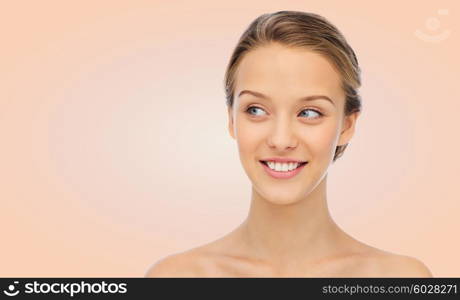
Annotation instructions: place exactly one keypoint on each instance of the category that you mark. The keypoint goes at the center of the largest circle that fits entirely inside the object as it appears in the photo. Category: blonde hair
(301, 30)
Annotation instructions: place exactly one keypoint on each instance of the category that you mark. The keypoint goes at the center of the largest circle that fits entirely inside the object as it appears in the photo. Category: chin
(282, 201)
(281, 197)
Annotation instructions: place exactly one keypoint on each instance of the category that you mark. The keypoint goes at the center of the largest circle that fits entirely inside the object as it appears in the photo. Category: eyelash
(318, 112)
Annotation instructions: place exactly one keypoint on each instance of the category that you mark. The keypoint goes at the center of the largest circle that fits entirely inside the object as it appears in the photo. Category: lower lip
(282, 175)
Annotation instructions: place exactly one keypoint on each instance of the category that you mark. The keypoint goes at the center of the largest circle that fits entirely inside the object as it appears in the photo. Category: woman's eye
(253, 109)
(315, 112)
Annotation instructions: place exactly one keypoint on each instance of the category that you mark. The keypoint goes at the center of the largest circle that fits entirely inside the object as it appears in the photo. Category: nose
(282, 136)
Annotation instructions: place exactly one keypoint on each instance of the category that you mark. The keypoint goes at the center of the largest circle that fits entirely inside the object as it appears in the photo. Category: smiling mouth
(285, 171)
(299, 165)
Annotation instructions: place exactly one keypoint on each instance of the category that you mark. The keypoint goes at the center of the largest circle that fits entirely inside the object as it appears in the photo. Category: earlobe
(348, 128)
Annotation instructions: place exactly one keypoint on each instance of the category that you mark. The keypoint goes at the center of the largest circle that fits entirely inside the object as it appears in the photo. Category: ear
(348, 128)
(230, 122)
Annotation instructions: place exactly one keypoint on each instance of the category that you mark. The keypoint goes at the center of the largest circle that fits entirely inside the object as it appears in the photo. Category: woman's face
(271, 118)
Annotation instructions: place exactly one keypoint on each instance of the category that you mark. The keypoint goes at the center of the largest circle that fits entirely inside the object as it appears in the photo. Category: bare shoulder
(369, 261)
(396, 265)
(200, 261)
(183, 264)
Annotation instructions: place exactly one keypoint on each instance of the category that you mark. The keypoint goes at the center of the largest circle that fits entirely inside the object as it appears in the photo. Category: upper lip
(283, 159)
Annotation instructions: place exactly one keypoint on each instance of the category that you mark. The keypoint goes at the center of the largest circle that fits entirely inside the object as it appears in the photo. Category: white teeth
(282, 167)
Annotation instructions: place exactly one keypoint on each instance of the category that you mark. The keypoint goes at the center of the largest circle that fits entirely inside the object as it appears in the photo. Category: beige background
(115, 152)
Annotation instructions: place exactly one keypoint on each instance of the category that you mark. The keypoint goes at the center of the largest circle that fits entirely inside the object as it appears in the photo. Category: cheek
(249, 136)
(322, 140)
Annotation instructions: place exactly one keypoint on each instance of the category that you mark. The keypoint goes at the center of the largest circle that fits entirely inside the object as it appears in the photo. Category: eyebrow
(306, 98)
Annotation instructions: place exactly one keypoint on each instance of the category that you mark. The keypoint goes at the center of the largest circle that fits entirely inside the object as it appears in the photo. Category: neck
(289, 233)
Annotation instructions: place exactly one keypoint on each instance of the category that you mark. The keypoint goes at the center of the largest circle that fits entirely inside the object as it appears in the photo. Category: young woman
(292, 100)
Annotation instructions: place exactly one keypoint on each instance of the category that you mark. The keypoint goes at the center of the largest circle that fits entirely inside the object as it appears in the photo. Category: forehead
(288, 72)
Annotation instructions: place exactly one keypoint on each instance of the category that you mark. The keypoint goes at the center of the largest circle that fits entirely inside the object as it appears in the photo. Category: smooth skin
(289, 231)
